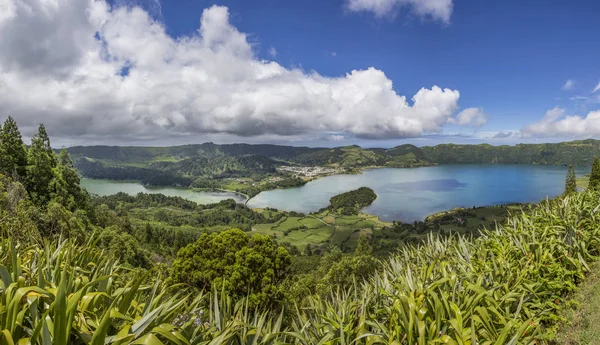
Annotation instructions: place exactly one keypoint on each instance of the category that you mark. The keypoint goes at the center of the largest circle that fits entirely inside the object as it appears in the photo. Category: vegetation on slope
(507, 286)
(578, 153)
(582, 313)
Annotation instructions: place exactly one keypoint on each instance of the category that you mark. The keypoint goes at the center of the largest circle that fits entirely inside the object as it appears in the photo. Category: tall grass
(503, 287)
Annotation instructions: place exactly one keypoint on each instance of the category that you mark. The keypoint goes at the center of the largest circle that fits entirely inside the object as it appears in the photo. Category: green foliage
(351, 202)
(123, 246)
(12, 151)
(240, 264)
(571, 181)
(17, 214)
(507, 286)
(594, 181)
(65, 187)
(65, 294)
(41, 163)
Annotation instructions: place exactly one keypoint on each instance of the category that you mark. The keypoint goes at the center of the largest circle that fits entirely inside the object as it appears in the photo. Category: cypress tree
(40, 168)
(595, 175)
(571, 181)
(12, 150)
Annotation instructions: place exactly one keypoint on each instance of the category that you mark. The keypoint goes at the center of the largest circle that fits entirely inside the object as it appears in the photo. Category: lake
(411, 194)
(109, 187)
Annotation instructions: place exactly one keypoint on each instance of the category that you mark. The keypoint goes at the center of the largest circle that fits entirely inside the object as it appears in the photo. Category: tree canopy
(12, 150)
(351, 202)
(571, 181)
(231, 260)
(595, 175)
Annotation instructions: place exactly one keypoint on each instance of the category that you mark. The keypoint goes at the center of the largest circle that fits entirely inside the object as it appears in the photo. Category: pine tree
(40, 168)
(595, 175)
(45, 142)
(65, 185)
(571, 181)
(12, 151)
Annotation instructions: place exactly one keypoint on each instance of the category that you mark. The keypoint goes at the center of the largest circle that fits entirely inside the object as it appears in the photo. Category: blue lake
(411, 194)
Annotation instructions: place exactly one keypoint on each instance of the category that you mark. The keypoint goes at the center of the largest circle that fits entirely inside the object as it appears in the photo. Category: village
(311, 172)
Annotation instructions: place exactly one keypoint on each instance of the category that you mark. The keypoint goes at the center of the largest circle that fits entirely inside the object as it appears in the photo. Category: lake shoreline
(404, 194)
(502, 183)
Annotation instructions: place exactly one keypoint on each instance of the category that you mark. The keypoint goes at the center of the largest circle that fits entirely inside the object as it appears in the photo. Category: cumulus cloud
(557, 123)
(436, 9)
(88, 70)
(568, 84)
(474, 117)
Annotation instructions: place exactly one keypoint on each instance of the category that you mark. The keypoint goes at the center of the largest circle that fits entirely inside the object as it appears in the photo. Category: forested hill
(579, 153)
(234, 157)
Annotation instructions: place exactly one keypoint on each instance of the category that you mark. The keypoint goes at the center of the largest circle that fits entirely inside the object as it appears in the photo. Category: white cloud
(54, 70)
(336, 137)
(474, 117)
(557, 123)
(568, 84)
(436, 9)
(596, 88)
(273, 52)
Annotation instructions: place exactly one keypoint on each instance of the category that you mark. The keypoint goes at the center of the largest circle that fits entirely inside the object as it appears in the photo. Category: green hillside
(578, 153)
(251, 169)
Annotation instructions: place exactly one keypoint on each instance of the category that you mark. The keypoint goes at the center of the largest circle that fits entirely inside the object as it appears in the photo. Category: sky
(377, 73)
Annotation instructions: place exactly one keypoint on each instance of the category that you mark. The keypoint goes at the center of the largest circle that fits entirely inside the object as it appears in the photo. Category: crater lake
(410, 194)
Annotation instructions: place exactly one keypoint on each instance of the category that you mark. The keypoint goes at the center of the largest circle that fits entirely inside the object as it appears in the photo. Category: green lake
(109, 187)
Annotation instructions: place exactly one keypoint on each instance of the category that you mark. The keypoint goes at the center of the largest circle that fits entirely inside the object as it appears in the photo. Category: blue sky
(525, 68)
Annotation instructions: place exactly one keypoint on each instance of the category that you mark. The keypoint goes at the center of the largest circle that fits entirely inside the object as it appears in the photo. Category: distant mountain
(183, 164)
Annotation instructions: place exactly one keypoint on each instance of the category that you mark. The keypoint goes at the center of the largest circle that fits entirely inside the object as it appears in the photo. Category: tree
(308, 250)
(571, 181)
(12, 150)
(242, 265)
(40, 169)
(65, 185)
(595, 175)
(123, 246)
(363, 247)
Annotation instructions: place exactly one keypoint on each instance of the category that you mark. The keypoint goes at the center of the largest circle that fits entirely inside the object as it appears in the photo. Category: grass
(583, 182)
(474, 218)
(583, 318)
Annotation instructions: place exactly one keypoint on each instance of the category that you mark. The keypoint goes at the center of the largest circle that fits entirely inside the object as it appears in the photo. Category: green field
(321, 228)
